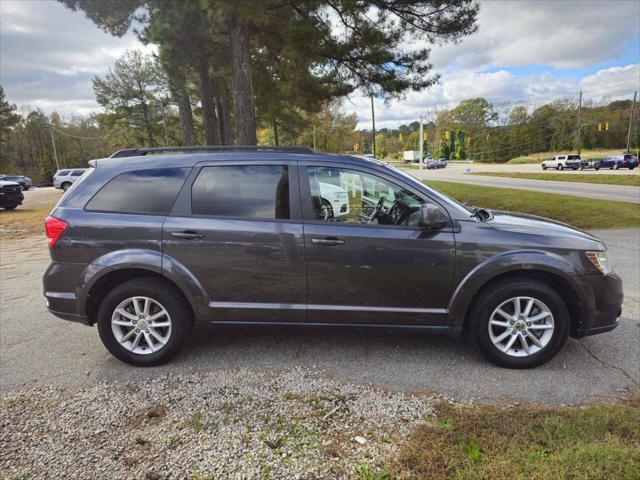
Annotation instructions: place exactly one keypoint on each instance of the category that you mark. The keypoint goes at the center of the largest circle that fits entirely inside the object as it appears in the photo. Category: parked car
(615, 162)
(25, 182)
(65, 178)
(145, 246)
(10, 195)
(335, 201)
(560, 162)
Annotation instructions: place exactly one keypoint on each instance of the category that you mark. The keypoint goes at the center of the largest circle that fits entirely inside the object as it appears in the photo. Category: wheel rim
(141, 325)
(521, 326)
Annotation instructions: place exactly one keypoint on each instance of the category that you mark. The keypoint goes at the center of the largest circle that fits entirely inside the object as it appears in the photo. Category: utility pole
(55, 152)
(633, 108)
(421, 140)
(373, 129)
(164, 120)
(580, 124)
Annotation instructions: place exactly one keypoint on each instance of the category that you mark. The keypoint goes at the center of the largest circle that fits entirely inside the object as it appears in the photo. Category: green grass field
(579, 212)
(592, 442)
(631, 180)
(585, 154)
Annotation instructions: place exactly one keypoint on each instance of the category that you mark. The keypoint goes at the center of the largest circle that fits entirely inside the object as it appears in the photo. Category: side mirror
(432, 217)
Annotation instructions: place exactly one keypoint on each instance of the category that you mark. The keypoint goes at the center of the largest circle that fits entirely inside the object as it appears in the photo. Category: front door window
(342, 195)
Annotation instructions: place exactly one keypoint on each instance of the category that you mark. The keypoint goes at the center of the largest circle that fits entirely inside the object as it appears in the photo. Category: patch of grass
(631, 180)
(363, 471)
(526, 442)
(23, 222)
(585, 155)
(576, 211)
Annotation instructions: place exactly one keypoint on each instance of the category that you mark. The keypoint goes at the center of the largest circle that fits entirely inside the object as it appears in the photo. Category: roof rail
(135, 152)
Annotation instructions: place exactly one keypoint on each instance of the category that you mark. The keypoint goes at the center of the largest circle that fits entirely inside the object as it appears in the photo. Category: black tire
(496, 294)
(65, 186)
(596, 167)
(10, 207)
(25, 188)
(616, 167)
(329, 210)
(631, 168)
(559, 167)
(161, 292)
(544, 167)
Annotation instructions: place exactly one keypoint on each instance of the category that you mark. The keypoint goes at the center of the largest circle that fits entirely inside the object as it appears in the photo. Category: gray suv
(148, 243)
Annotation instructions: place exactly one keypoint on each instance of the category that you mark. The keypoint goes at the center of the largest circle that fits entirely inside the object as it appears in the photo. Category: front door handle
(329, 241)
(187, 235)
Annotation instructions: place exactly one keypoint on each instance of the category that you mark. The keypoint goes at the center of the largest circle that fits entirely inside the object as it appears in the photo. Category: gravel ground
(233, 424)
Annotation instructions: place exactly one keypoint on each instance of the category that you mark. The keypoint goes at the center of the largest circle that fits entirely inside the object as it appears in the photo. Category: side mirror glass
(432, 217)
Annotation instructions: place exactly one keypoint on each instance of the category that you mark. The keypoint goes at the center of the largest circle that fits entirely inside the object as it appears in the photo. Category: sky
(524, 51)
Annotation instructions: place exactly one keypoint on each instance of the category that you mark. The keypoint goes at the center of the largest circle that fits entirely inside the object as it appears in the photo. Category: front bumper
(602, 297)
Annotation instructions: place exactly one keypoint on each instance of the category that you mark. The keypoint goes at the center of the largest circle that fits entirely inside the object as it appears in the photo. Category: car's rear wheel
(520, 324)
(65, 186)
(144, 322)
(559, 167)
(596, 167)
(10, 207)
(544, 167)
(616, 167)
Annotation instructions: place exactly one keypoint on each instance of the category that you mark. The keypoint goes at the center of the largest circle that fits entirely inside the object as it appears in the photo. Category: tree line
(475, 129)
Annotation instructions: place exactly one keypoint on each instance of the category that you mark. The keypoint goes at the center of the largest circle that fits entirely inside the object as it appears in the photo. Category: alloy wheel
(521, 326)
(141, 325)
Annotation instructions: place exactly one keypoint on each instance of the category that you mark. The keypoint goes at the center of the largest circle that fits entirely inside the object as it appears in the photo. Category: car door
(236, 227)
(367, 267)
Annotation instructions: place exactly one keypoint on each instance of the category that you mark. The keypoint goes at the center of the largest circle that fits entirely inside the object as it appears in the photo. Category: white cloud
(612, 82)
(561, 34)
(49, 54)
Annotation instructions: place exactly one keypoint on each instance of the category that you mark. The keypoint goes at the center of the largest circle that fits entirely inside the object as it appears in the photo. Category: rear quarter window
(150, 192)
(62, 173)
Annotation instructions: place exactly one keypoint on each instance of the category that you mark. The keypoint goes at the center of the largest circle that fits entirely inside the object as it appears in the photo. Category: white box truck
(411, 156)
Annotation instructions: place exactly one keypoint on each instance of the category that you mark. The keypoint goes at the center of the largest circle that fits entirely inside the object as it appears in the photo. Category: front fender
(507, 262)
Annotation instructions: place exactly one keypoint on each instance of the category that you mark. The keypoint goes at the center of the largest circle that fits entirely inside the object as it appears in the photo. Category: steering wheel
(396, 213)
(376, 211)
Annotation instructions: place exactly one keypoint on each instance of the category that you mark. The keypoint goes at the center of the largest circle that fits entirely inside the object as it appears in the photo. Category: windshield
(463, 209)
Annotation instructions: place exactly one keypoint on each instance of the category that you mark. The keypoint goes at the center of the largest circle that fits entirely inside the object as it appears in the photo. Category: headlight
(600, 260)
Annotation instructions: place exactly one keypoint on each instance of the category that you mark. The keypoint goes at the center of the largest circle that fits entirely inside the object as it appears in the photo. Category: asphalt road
(37, 348)
(456, 173)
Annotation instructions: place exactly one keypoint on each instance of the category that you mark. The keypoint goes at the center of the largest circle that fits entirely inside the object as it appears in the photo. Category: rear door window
(77, 173)
(62, 173)
(251, 192)
(150, 192)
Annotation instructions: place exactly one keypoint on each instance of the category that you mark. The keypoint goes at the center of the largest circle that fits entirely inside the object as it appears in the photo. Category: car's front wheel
(560, 167)
(520, 323)
(144, 322)
(65, 186)
(544, 167)
(326, 210)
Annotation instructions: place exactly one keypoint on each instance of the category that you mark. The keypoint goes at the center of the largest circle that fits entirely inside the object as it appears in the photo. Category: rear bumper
(603, 296)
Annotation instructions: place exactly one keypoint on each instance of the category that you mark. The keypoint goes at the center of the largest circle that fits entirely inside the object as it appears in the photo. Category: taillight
(54, 228)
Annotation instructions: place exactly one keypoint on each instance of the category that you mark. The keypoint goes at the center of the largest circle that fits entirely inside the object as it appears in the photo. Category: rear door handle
(188, 235)
(329, 241)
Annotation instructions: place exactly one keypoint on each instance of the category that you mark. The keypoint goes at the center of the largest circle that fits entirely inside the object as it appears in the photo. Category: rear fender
(143, 260)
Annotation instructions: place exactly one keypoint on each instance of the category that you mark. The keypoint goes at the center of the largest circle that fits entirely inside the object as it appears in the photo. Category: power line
(85, 138)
